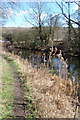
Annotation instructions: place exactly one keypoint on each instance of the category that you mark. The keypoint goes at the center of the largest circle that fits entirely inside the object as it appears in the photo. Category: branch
(76, 2)
(30, 22)
(66, 15)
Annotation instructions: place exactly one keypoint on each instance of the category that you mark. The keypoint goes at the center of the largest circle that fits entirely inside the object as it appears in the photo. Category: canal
(72, 62)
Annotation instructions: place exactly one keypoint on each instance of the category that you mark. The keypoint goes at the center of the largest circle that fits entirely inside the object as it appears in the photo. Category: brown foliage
(51, 93)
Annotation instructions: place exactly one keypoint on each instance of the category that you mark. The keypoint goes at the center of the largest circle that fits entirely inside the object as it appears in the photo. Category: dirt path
(0, 67)
(0, 83)
(19, 105)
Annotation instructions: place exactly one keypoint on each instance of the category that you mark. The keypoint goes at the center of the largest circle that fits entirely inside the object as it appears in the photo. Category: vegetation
(6, 110)
(45, 28)
(51, 92)
(32, 113)
(27, 38)
(42, 72)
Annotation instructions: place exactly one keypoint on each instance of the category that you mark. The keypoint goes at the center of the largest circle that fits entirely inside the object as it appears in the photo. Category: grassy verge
(27, 95)
(6, 110)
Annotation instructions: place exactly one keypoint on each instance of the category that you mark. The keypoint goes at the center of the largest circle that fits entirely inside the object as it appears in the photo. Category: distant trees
(23, 37)
(39, 16)
(45, 24)
(7, 35)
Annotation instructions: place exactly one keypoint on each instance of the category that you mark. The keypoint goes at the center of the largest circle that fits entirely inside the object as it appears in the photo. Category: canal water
(72, 62)
(74, 67)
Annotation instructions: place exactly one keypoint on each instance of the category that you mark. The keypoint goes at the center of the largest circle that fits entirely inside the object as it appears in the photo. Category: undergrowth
(51, 93)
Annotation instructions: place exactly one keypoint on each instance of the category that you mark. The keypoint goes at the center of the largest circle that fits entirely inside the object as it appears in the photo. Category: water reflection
(74, 67)
(73, 64)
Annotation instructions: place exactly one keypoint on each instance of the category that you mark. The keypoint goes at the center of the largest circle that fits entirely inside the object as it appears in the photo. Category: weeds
(50, 91)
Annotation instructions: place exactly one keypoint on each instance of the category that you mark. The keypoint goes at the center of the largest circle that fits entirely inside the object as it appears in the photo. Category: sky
(17, 17)
(36, 0)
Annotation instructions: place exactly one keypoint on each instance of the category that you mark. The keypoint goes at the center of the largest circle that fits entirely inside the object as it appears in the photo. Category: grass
(6, 103)
(10, 60)
(52, 97)
(30, 102)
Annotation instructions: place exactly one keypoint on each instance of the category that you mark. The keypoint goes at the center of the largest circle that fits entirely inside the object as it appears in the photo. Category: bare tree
(53, 25)
(70, 20)
(37, 18)
(6, 9)
(64, 13)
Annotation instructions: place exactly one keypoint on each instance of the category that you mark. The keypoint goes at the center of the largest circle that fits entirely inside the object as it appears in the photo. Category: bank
(52, 95)
(15, 98)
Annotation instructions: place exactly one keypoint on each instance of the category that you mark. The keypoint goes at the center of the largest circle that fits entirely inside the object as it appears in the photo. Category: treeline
(29, 38)
(25, 37)
(48, 28)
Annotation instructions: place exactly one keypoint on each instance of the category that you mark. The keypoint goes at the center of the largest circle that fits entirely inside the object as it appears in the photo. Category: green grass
(10, 60)
(6, 110)
(27, 94)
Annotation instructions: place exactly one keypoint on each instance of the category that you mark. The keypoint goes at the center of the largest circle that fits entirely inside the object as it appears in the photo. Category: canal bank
(52, 96)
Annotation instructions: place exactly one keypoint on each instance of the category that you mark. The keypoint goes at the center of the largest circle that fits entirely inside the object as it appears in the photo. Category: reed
(51, 92)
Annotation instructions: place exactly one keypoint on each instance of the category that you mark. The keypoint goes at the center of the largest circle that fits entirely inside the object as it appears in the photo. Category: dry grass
(52, 93)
